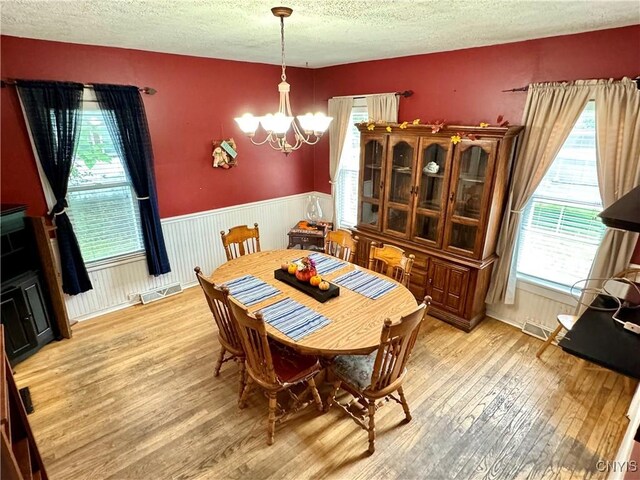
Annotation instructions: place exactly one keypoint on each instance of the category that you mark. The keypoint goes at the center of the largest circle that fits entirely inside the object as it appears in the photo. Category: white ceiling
(320, 32)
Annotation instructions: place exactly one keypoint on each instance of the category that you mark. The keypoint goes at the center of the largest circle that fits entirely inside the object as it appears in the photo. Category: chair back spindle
(392, 262)
(218, 300)
(241, 240)
(341, 244)
(396, 343)
(253, 335)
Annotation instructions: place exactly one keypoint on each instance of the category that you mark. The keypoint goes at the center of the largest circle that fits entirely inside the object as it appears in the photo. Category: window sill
(115, 261)
(545, 289)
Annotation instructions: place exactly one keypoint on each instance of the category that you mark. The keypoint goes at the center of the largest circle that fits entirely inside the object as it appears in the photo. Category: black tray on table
(305, 287)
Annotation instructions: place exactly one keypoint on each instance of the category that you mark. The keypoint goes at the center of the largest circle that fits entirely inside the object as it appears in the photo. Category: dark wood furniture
(19, 455)
(241, 240)
(440, 201)
(228, 336)
(596, 337)
(372, 378)
(308, 237)
(32, 308)
(272, 368)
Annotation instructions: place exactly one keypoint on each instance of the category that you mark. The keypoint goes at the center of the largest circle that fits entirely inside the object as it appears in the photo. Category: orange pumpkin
(305, 274)
(315, 280)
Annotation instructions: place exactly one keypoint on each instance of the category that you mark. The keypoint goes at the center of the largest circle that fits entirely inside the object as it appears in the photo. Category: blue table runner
(365, 284)
(326, 264)
(250, 290)
(293, 319)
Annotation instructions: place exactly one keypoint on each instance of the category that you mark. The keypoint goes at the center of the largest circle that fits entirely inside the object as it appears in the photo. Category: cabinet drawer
(421, 261)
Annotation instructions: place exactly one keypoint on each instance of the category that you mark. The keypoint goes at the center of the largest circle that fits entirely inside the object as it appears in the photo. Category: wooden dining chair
(566, 322)
(341, 244)
(375, 377)
(241, 240)
(274, 368)
(228, 336)
(391, 261)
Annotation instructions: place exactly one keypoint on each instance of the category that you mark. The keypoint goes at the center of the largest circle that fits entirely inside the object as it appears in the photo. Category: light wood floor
(132, 396)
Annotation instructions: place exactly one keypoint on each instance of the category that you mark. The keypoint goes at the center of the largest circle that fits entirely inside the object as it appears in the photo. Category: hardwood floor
(132, 396)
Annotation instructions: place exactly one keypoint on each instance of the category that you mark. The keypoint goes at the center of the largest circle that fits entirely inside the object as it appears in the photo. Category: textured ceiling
(319, 33)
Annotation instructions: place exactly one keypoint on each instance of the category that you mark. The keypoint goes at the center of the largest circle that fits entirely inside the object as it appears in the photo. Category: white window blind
(102, 203)
(560, 231)
(347, 185)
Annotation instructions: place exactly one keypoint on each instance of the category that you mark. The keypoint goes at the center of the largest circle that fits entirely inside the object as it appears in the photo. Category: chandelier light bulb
(247, 123)
(278, 125)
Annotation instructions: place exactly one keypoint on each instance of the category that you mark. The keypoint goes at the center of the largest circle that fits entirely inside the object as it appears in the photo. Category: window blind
(102, 203)
(560, 230)
(347, 185)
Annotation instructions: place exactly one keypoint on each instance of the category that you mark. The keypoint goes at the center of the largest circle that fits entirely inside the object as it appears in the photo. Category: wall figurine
(224, 153)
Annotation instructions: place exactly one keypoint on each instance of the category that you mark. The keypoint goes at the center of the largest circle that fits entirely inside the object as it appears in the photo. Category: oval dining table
(355, 320)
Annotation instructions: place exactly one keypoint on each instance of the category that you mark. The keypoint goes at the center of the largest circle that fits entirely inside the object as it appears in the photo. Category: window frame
(557, 291)
(359, 106)
(89, 102)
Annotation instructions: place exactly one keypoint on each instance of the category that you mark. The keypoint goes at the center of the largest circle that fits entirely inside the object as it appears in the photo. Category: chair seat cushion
(290, 366)
(356, 370)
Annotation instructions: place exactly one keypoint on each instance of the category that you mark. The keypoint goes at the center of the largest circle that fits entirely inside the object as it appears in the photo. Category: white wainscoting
(194, 239)
(191, 240)
(534, 304)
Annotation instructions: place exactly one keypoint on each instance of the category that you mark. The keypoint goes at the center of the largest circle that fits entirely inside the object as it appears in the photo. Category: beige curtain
(383, 107)
(618, 157)
(340, 110)
(550, 113)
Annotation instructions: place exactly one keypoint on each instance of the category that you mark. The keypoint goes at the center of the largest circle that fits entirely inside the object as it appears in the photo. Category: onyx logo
(627, 466)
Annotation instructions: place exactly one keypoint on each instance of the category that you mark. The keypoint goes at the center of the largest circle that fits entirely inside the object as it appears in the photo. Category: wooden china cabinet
(441, 201)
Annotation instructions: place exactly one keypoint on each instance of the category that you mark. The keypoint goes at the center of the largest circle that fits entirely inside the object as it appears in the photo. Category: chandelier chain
(284, 67)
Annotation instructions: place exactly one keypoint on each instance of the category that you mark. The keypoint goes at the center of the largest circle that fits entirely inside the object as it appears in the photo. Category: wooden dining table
(355, 320)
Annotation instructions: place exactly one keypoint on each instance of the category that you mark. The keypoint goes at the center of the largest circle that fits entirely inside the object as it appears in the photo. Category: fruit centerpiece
(306, 269)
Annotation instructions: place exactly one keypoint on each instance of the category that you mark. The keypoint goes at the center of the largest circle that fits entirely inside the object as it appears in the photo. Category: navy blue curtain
(127, 122)
(52, 110)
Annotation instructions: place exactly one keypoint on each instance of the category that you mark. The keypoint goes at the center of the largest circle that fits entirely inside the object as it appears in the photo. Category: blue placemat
(326, 264)
(365, 284)
(293, 319)
(250, 290)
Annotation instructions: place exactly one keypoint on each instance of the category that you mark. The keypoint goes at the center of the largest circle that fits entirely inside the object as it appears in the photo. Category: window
(102, 203)
(347, 183)
(560, 230)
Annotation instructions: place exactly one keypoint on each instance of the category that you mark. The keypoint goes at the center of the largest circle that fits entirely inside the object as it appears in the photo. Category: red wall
(465, 86)
(198, 97)
(196, 101)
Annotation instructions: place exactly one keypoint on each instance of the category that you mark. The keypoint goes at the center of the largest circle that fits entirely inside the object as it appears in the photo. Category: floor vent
(536, 330)
(160, 293)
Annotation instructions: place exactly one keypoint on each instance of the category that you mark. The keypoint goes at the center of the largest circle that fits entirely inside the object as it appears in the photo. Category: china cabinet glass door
(371, 181)
(400, 185)
(469, 195)
(431, 190)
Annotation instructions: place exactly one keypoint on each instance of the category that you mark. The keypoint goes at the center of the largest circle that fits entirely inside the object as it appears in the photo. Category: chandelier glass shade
(307, 130)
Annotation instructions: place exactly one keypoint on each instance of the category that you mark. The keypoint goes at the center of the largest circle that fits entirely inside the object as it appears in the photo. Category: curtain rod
(406, 93)
(524, 89)
(145, 90)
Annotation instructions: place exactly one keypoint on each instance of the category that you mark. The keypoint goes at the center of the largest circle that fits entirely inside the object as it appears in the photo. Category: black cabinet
(25, 311)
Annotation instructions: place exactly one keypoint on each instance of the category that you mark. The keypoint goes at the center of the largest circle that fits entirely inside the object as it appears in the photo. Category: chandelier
(278, 125)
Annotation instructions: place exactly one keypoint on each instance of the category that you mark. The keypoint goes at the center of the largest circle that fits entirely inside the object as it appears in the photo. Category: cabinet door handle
(381, 185)
(452, 196)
